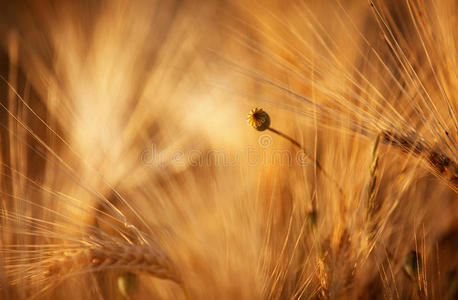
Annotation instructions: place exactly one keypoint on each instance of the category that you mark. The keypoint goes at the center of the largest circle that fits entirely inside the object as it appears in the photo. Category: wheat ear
(443, 165)
(116, 255)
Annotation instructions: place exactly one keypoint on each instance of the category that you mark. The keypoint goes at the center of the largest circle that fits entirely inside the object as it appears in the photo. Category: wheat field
(129, 170)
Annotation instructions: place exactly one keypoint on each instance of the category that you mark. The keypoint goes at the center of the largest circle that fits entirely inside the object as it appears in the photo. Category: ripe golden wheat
(128, 169)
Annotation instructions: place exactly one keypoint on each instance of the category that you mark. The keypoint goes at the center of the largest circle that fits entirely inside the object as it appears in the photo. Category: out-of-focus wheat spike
(372, 191)
(442, 165)
(63, 264)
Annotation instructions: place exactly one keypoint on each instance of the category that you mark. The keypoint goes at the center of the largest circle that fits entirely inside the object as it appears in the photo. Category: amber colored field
(129, 171)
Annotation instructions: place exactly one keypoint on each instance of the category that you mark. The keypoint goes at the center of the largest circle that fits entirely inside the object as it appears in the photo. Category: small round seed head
(258, 119)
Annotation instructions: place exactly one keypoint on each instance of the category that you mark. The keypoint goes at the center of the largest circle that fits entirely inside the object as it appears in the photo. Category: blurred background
(134, 112)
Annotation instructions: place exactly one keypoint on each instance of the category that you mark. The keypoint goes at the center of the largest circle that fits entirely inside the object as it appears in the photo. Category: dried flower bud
(258, 119)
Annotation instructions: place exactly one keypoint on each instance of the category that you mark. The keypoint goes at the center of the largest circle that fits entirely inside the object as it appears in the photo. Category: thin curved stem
(315, 161)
